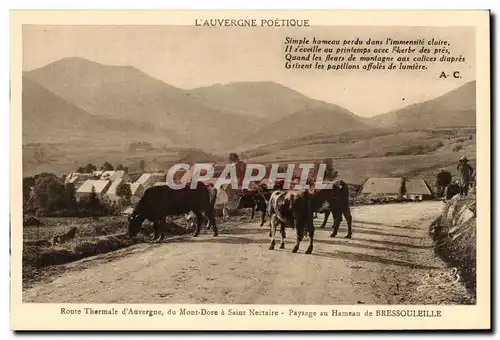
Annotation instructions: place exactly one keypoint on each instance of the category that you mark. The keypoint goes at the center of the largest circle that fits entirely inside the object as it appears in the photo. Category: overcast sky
(188, 57)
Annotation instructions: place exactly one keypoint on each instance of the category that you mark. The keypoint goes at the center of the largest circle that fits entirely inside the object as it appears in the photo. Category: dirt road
(383, 263)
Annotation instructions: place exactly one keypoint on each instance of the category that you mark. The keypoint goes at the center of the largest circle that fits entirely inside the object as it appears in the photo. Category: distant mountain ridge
(454, 108)
(267, 100)
(126, 103)
(124, 92)
(49, 118)
(309, 121)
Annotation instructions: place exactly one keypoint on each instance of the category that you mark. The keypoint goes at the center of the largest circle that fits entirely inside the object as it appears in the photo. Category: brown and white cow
(293, 209)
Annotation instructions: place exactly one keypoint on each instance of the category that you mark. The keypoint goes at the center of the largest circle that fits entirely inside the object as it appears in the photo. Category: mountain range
(455, 108)
(78, 99)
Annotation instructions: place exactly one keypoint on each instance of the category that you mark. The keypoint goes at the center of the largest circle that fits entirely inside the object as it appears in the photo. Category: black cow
(160, 202)
(334, 200)
(291, 209)
(191, 218)
(257, 200)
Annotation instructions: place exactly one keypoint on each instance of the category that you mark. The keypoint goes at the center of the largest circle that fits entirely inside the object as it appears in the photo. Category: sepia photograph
(252, 161)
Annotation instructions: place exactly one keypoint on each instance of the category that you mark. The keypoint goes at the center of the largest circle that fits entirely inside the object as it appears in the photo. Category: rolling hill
(267, 100)
(124, 92)
(309, 121)
(49, 118)
(455, 108)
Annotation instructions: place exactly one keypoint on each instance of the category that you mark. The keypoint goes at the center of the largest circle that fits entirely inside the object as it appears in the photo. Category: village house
(111, 197)
(417, 189)
(97, 174)
(388, 187)
(137, 190)
(107, 174)
(113, 175)
(99, 186)
(120, 174)
(76, 179)
(149, 179)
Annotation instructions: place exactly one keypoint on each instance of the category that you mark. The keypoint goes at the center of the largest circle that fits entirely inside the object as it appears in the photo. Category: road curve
(383, 263)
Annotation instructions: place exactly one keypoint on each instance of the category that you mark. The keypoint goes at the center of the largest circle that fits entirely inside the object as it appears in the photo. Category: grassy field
(356, 150)
(59, 158)
(411, 153)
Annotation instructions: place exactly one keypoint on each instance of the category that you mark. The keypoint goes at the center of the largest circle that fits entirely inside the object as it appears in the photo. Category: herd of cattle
(295, 208)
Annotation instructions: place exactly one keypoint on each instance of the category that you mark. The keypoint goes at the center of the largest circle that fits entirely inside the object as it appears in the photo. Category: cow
(160, 202)
(191, 218)
(334, 200)
(257, 200)
(293, 209)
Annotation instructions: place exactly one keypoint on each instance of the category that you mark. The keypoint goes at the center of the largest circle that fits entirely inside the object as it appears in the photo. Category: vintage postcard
(250, 170)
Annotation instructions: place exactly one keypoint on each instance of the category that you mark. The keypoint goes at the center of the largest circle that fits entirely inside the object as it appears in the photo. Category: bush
(416, 149)
(457, 147)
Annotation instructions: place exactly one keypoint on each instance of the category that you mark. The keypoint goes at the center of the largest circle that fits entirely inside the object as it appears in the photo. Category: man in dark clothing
(465, 173)
(443, 180)
(452, 190)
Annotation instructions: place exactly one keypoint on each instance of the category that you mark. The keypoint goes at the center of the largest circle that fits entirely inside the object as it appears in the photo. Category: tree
(93, 199)
(119, 167)
(107, 166)
(71, 195)
(142, 165)
(81, 170)
(89, 168)
(28, 183)
(50, 193)
(123, 190)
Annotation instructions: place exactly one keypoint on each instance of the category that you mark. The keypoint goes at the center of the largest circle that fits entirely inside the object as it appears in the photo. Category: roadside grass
(94, 236)
(457, 245)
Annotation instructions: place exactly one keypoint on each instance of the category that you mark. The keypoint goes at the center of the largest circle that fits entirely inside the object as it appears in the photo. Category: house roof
(417, 186)
(144, 178)
(117, 175)
(114, 185)
(107, 174)
(77, 176)
(134, 187)
(100, 186)
(97, 172)
(159, 184)
(154, 177)
(385, 185)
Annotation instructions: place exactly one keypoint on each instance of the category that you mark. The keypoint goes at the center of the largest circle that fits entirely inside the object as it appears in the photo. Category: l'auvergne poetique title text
(265, 22)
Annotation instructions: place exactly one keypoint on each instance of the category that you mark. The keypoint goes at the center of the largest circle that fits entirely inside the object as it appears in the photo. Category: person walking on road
(465, 172)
